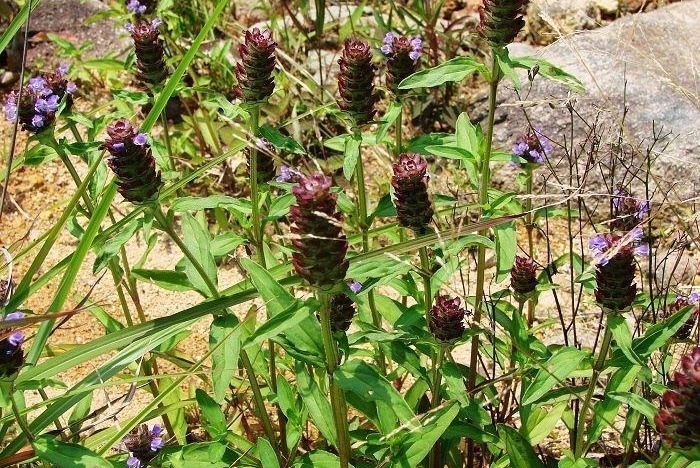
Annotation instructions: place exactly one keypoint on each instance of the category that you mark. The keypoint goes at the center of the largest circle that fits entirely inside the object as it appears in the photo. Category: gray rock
(646, 63)
(548, 20)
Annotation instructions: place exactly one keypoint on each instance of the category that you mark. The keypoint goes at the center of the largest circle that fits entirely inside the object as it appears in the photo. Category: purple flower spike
(135, 7)
(533, 147)
(355, 286)
(140, 139)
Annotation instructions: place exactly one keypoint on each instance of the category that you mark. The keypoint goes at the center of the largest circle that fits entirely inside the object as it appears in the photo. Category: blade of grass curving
(174, 79)
(71, 273)
(17, 23)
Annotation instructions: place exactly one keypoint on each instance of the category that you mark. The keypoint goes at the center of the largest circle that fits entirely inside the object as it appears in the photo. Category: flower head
(501, 20)
(342, 312)
(288, 174)
(254, 71)
(132, 162)
(355, 286)
(523, 276)
(533, 147)
(143, 444)
(356, 81)
(678, 419)
(150, 53)
(319, 243)
(134, 6)
(402, 55)
(410, 183)
(447, 319)
(628, 211)
(11, 354)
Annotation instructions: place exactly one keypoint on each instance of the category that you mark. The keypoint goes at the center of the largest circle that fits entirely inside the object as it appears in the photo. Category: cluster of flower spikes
(402, 55)
(681, 302)
(356, 91)
(678, 419)
(254, 71)
(523, 277)
(266, 153)
(11, 354)
(501, 21)
(447, 319)
(319, 244)
(410, 183)
(628, 211)
(615, 267)
(150, 52)
(132, 161)
(533, 147)
(35, 104)
(141, 7)
(143, 444)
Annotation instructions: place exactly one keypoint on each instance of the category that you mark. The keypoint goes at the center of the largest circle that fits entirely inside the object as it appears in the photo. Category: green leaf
(266, 454)
(104, 64)
(112, 246)
(605, 410)
(280, 141)
(167, 279)
(388, 120)
(636, 402)
(623, 337)
(451, 152)
(278, 324)
(38, 154)
(197, 238)
(506, 67)
(316, 402)
(549, 71)
(317, 459)
(540, 422)
(17, 22)
(518, 449)
(453, 70)
(210, 202)
(364, 380)
(506, 248)
(225, 243)
(385, 208)
(66, 455)
(423, 437)
(213, 419)
(352, 155)
(659, 334)
(557, 368)
(225, 341)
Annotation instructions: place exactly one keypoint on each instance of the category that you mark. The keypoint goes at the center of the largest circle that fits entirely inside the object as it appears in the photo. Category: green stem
(530, 241)
(597, 369)
(484, 184)
(435, 452)
(363, 222)
(24, 427)
(338, 404)
(166, 137)
(255, 387)
(254, 188)
(399, 134)
(425, 274)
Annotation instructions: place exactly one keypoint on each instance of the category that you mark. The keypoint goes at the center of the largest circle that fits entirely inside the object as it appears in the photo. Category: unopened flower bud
(254, 71)
(447, 319)
(501, 21)
(356, 81)
(150, 53)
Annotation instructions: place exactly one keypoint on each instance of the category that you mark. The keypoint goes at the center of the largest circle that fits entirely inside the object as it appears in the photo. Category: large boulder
(645, 63)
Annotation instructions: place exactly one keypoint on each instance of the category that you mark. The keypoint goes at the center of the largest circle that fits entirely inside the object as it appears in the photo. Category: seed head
(678, 419)
(132, 161)
(447, 319)
(254, 71)
(501, 21)
(523, 276)
(402, 55)
(410, 184)
(356, 81)
(319, 243)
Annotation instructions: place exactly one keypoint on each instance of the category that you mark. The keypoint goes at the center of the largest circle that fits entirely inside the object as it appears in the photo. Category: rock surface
(646, 63)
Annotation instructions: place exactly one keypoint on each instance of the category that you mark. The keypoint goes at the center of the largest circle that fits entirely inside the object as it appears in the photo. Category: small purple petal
(10, 110)
(140, 139)
(63, 69)
(386, 49)
(133, 462)
(14, 316)
(417, 44)
(71, 88)
(636, 234)
(156, 22)
(157, 430)
(598, 243)
(414, 55)
(16, 338)
(38, 121)
(157, 444)
(694, 297)
(129, 27)
(642, 209)
(355, 286)
(389, 38)
(118, 146)
(642, 250)
(37, 84)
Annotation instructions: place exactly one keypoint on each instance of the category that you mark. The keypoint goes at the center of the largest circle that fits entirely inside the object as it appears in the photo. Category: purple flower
(38, 121)
(288, 174)
(71, 88)
(17, 337)
(387, 44)
(118, 146)
(355, 286)
(10, 109)
(135, 7)
(63, 69)
(533, 146)
(37, 84)
(606, 246)
(642, 250)
(46, 105)
(156, 22)
(129, 27)
(157, 443)
(133, 462)
(140, 139)
(694, 297)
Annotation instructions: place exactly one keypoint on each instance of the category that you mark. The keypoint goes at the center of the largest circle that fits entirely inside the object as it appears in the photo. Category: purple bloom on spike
(63, 69)
(151, 68)
(71, 88)
(11, 354)
(694, 297)
(355, 286)
(133, 462)
(129, 27)
(10, 108)
(288, 174)
(118, 146)
(156, 22)
(615, 268)
(140, 139)
(38, 121)
(402, 55)
(533, 147)
(356, 91)
(37, 84)
(143, 444)
(628, 211)
(135, 7)
(16, 338)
